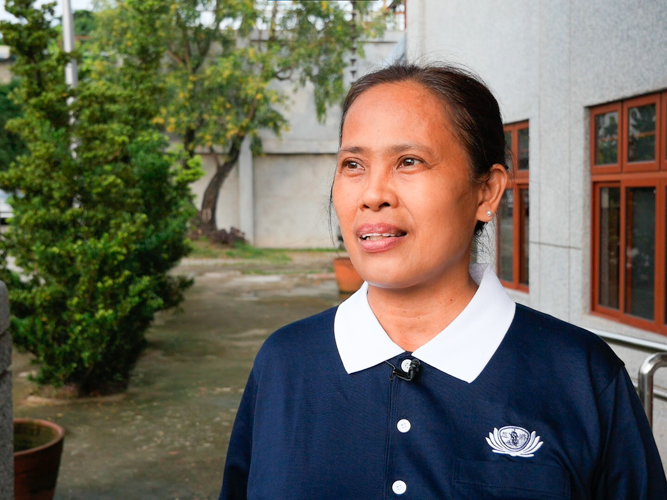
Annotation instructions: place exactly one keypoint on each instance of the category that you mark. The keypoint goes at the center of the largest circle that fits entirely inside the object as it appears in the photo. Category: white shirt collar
(461, 350)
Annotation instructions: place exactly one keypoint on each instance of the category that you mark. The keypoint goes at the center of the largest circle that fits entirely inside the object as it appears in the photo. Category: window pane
(508, 149)
(641, 133)
(606, 138)
(610, 240)
(523, 149)
(640, 251)
(524, 236)
(505, 230)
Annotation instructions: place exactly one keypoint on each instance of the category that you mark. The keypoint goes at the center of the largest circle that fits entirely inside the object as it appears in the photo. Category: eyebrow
(398, 148)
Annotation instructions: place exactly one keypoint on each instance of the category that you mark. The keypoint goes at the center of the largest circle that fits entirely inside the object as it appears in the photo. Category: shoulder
(303, 338)
(564, 347)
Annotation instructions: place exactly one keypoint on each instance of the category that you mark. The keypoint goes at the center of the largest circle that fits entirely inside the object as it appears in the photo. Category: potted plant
(38, 445)
(347, 277)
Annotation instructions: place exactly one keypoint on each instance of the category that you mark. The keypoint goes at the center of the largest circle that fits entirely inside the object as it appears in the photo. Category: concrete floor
(166, 437)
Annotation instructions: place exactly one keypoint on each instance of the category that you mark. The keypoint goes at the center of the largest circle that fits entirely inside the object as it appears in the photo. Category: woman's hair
(469, 104)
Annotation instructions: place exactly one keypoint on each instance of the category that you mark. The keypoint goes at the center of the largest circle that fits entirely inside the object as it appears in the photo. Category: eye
(410, 161)
(350, 164)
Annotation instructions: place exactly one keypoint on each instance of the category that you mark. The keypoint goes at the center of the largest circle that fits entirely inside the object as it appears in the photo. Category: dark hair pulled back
(470, 106)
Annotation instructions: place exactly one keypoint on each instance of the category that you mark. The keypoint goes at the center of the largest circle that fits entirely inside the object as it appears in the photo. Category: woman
(430, 382)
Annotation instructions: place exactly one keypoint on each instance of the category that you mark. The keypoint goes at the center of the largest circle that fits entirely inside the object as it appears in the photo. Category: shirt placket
(399, 427)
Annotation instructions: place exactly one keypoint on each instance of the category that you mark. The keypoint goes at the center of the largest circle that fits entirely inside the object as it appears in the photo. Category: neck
(412, 316)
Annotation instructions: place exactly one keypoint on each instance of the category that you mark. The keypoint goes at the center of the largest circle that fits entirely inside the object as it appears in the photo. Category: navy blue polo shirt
(507, 403)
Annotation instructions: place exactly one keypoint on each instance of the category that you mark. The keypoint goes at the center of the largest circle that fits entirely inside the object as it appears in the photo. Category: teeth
(377, 236)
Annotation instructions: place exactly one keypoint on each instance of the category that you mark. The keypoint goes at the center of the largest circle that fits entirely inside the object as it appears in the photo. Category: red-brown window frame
(610, 168)
(518, 182)
(641, 166)
(626, 175)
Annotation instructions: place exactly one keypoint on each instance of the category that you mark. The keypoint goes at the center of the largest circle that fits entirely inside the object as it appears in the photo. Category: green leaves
(100, 206)
(224, 57)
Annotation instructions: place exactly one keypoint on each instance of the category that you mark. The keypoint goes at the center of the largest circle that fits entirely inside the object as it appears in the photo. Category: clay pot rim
(60, 434)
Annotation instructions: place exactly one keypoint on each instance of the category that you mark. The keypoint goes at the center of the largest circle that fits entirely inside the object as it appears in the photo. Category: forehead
(389, 112)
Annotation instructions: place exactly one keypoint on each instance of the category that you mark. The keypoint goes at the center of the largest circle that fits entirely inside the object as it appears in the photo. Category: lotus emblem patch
(514, 441)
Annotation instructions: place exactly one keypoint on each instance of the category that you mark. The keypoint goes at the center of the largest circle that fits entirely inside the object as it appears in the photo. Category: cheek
(444, 208)
(343, 204)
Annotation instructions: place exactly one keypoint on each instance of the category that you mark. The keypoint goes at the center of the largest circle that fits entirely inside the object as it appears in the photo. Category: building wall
(292, 199)
(547, 61)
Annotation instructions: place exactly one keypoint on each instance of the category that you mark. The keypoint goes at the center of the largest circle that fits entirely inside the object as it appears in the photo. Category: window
(513, 213)
(629, 181)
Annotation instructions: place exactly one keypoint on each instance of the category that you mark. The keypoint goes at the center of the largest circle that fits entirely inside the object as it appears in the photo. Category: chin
(394, 277)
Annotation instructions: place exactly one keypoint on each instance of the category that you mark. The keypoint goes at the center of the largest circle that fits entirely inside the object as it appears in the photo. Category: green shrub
(98, 225)
(11, 145)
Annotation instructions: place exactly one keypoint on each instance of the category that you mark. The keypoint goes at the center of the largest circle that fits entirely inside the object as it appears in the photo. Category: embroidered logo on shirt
(514, 441)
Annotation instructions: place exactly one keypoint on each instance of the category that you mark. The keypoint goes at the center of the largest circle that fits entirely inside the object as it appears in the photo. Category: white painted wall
(292, 199)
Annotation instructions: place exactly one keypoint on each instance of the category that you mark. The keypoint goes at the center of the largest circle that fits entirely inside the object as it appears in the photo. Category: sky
(76, 5)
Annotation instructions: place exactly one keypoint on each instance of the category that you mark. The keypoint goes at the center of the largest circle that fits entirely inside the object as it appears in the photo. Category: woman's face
(402, 191)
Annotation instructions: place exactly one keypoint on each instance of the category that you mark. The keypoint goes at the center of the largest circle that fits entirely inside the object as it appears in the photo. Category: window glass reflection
(641, 133)
(610, 244)
(523, 149)
(640, 251)
(508, 149)
(523, 269)
(505, 230)
(606, 138)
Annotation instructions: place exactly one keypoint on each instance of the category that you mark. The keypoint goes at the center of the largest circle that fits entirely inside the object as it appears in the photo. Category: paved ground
(166, 437)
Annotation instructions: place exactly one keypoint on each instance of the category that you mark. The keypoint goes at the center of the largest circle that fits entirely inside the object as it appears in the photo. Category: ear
(491, 192)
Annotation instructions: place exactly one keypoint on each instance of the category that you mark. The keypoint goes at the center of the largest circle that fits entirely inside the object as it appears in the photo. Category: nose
(378, 190)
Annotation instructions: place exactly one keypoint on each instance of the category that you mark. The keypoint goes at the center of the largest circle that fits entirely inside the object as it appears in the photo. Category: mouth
(379, 237)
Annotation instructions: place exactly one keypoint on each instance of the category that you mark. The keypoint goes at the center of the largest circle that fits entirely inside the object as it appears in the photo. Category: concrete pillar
(246, 192)
(417, 30)
(550, 189)
(6, 420)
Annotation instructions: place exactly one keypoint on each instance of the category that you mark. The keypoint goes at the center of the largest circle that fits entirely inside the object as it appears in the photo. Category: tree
(84, 22)
(223, 56)
(100, 208)
(11, 145)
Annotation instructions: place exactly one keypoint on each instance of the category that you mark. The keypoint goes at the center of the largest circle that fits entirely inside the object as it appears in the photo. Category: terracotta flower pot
(347, 277)
(38, 445)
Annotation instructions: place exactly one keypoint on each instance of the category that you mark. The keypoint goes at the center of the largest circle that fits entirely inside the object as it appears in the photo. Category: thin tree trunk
(210, 202)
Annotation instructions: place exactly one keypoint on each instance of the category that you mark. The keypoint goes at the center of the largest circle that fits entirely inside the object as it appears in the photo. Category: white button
(405, 365)
(403, 425)
(399, 487)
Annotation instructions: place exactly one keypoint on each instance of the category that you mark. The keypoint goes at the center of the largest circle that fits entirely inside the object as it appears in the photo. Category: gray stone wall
(6, 421)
